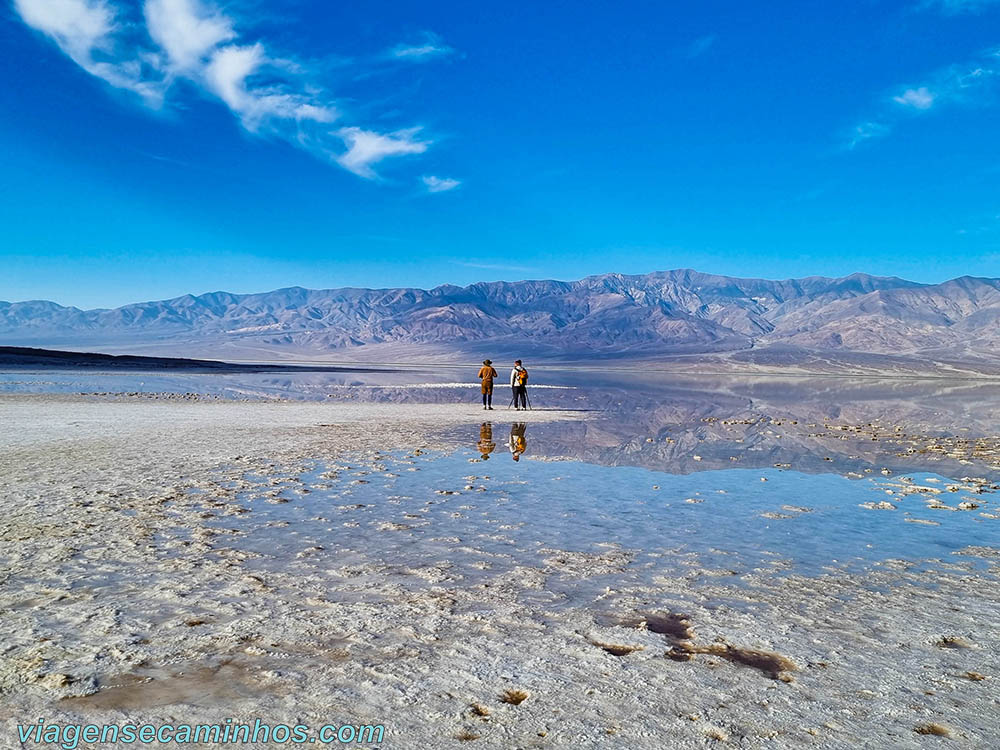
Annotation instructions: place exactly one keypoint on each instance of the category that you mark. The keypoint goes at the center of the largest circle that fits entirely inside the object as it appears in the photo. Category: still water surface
(806, 475)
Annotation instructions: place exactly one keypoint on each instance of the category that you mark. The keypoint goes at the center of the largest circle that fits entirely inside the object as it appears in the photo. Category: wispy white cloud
(196, 41)
(227, 74)
(867, 131)
(956, 7)
(439, 184)
(78, 26)
(365, 147)
(428, 48)
(701, 45)
(85, 30)
(970, 84)
(187, 31)
(921, 98)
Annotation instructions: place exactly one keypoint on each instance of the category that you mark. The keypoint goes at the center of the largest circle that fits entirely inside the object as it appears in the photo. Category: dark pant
(521, 396)
(488, 398)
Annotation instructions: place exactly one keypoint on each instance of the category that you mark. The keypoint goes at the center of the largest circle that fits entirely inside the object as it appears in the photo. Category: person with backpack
(486, 375)
(519, 384)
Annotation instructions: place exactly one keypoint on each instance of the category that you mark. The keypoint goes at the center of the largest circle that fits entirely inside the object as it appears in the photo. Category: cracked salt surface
(165, 558)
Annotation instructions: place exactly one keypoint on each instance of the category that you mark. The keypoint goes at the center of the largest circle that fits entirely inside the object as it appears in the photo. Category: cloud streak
(866, 131)
(920, 98)
(86, 30)
(365, 147)
(195, 41)
(186, 31)
(439, 184)
(970, 84)
(429, 48)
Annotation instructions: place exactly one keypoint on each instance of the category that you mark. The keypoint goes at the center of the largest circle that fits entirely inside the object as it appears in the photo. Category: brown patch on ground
(617, 649)
(953, 641)
(514, 697)
(773, 665)
(671, 625)
(233, 677)
(679, 632)
(144, 689)
(938, 730)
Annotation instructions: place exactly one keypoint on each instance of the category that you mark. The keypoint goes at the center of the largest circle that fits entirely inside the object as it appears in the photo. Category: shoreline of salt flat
(67, 417)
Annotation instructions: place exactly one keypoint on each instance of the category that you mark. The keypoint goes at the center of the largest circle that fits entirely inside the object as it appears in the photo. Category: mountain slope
(610, 315)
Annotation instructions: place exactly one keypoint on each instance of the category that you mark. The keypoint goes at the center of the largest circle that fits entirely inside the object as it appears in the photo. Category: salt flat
(151, 572)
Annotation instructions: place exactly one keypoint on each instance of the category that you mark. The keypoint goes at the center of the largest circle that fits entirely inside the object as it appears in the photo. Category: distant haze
(611, 316)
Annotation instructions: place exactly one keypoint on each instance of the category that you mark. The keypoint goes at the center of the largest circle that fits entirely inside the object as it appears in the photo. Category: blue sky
(155, 148)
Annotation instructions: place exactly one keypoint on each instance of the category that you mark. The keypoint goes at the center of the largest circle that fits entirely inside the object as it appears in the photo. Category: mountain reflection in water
(816, 425)
(657, 420)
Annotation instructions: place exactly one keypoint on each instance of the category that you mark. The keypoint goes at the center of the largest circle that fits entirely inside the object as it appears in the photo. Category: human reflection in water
(518, 443)
(486, 445)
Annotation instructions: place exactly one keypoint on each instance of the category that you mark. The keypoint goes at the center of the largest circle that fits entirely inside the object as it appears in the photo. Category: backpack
(522, 377)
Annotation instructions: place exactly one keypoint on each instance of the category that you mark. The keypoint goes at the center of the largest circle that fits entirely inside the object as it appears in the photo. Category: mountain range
(857, 321)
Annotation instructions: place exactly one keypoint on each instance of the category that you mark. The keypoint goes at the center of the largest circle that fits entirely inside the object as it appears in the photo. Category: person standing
(486, 375)
(519, 384)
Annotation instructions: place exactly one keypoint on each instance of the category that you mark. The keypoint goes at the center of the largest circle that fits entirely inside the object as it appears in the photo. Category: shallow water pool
(458, 517)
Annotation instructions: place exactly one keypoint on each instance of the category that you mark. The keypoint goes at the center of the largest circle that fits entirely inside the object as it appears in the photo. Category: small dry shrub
(514, 697)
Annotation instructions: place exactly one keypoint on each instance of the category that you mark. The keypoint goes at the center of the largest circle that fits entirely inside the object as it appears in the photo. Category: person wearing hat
(486, 375)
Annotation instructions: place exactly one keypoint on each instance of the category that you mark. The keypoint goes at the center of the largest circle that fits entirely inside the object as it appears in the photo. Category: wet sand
(127, 597)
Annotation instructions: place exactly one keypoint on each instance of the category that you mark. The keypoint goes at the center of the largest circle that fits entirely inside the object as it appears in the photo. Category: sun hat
(487, 361)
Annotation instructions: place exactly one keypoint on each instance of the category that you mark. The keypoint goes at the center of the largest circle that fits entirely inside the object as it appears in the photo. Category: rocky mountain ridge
(662, 314)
